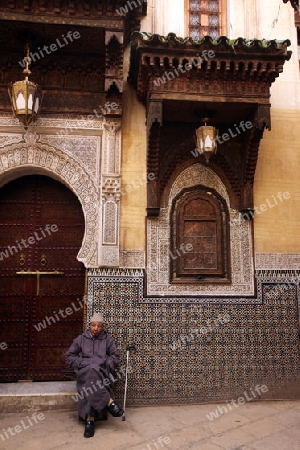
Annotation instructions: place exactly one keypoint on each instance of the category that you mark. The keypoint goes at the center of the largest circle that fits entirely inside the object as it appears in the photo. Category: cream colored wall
(270, 20)
(277, 226)
(133, 192)
(277, 229)
(164, 16)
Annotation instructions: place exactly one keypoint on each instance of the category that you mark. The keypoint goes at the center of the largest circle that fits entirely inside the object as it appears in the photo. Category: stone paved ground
(252, 426)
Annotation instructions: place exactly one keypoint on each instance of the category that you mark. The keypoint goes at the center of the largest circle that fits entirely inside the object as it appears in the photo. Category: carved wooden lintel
(261, 120)
(114, 62)
(154, 114)
(153, 199)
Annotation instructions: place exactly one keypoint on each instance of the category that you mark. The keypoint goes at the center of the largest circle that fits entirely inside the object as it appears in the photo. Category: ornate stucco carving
(87, 148)
(84, 148)
(277, 261)
(66, 123)
(132, 258)
(110, 219)
(112, 143)
(30, 137)
(7, 139)
(110, 193)
(198, 174)
(111, 188)
(109, 256)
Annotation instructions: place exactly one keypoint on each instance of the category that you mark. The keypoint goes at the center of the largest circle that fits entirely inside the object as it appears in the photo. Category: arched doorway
(41, 280)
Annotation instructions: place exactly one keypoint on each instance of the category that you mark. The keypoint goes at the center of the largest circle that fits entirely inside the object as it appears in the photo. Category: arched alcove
(240, 252)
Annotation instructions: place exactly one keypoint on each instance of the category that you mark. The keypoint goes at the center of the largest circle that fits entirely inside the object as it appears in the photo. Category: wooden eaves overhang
(178, 79)
(81, 75)
(116, 15)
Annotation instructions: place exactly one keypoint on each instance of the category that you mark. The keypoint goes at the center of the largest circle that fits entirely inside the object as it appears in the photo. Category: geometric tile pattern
(195, 352)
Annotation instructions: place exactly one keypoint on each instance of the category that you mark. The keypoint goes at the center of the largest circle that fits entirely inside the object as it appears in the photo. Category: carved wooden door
(41, 281)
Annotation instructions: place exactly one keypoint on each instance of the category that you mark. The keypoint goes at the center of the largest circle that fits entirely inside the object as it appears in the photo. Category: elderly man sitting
(93, 356)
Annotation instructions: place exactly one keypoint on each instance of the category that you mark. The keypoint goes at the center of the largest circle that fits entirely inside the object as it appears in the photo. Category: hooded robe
(93, 359)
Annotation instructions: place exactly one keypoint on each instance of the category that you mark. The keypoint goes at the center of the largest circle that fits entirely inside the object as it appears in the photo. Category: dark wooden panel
(202, 236)
(199, 227)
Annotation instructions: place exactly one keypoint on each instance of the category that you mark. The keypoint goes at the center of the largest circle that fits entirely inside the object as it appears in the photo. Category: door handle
(38, 273)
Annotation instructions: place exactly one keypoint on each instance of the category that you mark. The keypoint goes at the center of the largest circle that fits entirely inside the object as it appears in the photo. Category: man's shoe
(101, 415)
(89, 430)
(115, 410)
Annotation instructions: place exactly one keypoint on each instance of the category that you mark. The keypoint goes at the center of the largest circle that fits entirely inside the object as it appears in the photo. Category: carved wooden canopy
(179, 79)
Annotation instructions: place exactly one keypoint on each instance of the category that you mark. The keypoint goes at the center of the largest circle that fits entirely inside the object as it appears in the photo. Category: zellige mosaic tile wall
(201, 349)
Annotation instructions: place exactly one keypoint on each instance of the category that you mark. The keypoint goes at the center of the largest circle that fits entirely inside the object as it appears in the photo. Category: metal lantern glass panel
(206, 141)
(25, 97)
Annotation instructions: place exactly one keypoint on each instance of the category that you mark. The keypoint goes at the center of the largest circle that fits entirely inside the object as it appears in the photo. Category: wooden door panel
(45, 363)
(10, 332)
(199, 224)
(54, 194)
(46, 357)
(13, 284)
(13, 308)
(69, 284)
(52, 336)
(63, 212)
(9, 285)
(67, 307)
(13, 359)
(54, 259)
(14, 313)
(11, 231)
(70, 235)
(27, 205)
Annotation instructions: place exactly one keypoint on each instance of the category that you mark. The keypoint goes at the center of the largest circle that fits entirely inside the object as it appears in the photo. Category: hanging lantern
(25, 97)
(206, 136)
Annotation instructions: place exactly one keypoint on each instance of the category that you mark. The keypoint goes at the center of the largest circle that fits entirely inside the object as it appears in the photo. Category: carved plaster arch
(198, 174)
(23, 159)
